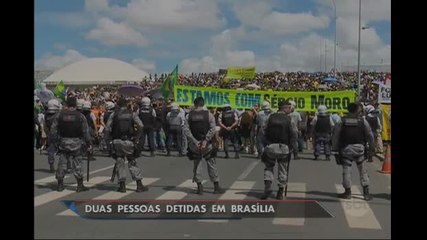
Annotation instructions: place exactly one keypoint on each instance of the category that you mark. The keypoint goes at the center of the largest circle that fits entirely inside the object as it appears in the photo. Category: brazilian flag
(59, 91)
(169, 83)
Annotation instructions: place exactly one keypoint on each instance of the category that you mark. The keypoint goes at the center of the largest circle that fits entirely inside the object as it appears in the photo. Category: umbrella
(131, 90)
(44, 95)
(329, 79)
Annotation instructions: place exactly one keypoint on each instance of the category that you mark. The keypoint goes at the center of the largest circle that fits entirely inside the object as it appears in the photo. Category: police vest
(373, 122)
(107, 116)
(323, 124)
(146, 116)
(352, 131)
(174, 120)
(277, 131)
(228, 118)
(199, 124)
(123, 124)
(70, 125)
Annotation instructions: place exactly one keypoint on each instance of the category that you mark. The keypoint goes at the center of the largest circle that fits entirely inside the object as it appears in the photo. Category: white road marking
(44, 181)
(51, 196)
(248, 170)
(357, 211)
(295, 190)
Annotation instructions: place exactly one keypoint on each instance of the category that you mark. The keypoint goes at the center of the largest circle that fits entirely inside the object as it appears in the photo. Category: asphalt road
(170, 178)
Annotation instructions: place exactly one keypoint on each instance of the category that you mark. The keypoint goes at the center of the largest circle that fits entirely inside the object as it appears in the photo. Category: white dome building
(97, 71)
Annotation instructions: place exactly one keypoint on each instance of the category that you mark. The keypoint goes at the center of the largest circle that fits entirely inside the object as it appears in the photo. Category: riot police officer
(322, 126)
(280, 133)
(261, 121)
(175, 120)
(53, 108)
(109, 106)
(147, 115)
(91, 121)
(228, 121)
(120, 128)
(296, 117)
(199, 128)
(70, 126)
(349, 141)
(80, 103)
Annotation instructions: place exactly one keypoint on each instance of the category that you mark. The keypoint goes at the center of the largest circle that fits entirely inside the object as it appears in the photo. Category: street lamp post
(320, 58)
(325, 56)
(358, 53)
(335, 46)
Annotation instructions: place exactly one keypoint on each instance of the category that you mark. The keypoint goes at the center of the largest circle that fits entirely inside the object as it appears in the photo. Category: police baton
(87, 174)
(287, 171)
(113, 176)
(112, 150)
(88, 164)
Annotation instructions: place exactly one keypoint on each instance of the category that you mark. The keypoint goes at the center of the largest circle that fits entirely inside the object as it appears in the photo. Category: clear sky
(205, 35)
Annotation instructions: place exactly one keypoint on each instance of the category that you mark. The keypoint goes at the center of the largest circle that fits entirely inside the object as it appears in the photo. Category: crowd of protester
(276, 81)
(98, 96)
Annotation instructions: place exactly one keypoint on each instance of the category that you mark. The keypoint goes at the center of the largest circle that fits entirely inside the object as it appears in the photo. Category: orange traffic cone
(387, 162)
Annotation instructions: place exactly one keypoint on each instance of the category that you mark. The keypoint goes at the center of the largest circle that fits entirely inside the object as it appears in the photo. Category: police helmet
(369, 108)
(174, 106)
(106, 95)
(226, 107)
(283, 103)
(86, 105)
(145, 101)
(109, 105)
(265, 105)
(322, 109)
(53, 105)
(80, 103)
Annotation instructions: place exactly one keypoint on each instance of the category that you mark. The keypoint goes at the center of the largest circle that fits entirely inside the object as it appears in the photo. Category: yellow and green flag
(169, 83)
(59, 91)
